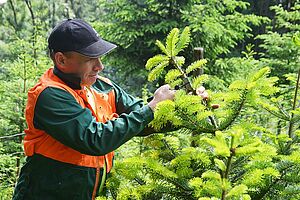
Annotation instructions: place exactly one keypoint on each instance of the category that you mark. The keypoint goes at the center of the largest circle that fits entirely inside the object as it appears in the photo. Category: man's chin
(90, 82)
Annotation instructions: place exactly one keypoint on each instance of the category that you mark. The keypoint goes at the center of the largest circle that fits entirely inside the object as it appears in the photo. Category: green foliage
(296, 39)
(23, 61)
(133, 26)
(175, 77)
(256, 123)
(187, 110)
(7, 174)
(280, 52)
(234, 68)
(195, 65)
(223, 153)
(218, 26)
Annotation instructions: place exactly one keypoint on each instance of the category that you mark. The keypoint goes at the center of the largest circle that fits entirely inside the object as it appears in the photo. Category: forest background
(240, 39)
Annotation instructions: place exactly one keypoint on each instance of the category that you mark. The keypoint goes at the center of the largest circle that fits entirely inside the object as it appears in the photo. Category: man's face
(85, 67)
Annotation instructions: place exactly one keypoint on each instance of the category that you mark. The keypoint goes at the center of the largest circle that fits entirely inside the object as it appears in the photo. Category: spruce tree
(220, 153)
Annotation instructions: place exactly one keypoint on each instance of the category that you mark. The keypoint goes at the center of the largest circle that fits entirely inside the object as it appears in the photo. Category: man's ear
(60, 59)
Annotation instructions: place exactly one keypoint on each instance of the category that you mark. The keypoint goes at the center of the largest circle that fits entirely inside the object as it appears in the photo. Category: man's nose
(98, 65)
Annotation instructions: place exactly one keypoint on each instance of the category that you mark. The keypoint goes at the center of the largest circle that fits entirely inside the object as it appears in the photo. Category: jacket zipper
(96, 181)
(103, 176)
(98, 161)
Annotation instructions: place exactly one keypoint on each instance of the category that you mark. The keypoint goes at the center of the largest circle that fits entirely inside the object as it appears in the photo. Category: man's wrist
(152, 104)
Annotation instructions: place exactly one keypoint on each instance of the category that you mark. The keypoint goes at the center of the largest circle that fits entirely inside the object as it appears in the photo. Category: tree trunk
(29, 6)
(15, 25)
(53, 14)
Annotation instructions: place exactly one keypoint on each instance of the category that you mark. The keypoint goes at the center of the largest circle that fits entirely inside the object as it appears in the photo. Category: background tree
(279, 51)
(216, 25)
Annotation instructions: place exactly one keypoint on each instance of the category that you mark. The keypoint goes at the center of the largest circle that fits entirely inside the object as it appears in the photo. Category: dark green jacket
(56, 110)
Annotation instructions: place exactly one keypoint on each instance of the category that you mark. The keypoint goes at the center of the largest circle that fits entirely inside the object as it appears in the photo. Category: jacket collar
(71, 80)
(74, 81)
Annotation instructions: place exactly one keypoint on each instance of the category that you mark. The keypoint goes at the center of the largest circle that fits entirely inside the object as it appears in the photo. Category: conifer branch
(113, 193)
(178, 194)
(189, 88)
(290, 131)
(12, 136)
(211, 118)
(195, 126)
(238, 163)
(280, 115)
(170, 148)
(282, 111)
(228, 166)
(265, 191)
(226, 124)
(185, 78)
(171, 50)
(139, 181)
(198, 172)
(199, 56)
(184, 188)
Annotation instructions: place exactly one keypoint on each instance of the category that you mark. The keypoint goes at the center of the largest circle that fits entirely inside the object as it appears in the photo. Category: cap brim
(97, 49)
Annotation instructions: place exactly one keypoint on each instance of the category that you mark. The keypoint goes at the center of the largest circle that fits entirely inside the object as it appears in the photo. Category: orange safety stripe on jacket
(38, 141)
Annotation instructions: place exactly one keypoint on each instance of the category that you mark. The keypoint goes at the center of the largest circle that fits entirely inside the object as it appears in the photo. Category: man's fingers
(171, 93)
(204, 95)
(166, 87)
(200, 90)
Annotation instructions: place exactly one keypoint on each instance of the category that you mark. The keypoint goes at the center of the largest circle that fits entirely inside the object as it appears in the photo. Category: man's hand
(203, 93)
(161, 94)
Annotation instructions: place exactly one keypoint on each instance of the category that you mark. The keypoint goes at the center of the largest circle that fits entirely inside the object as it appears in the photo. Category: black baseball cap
(77, 35)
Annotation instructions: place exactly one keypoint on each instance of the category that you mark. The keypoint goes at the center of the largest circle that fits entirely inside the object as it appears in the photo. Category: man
(76, 119)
